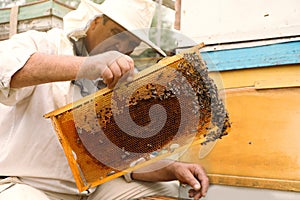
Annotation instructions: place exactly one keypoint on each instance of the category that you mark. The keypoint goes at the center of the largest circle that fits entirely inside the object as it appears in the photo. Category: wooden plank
(261, 77)
(13, 21)
(59, 9)
(253, 57)
(169, 4)
(40, 24)
(4, 15)
(37, 9)
(265, 183)
(283, 82)
(177, 14)
(262, 148)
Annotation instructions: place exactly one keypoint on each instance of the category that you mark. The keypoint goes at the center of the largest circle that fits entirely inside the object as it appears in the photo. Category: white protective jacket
(29, 147)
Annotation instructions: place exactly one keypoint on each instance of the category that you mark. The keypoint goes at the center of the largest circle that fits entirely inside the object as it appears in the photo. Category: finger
(128, 76)
(107, 76)
(195, 194)
(202, 177)
(198, 195)
(130, 73)
(117, 73)
(125, 63)
(130, 61)
(190, 179)
(122, 66)
(204, 187)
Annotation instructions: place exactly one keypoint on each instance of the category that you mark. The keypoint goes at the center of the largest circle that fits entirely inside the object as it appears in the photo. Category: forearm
(158, 171)
(43, 68)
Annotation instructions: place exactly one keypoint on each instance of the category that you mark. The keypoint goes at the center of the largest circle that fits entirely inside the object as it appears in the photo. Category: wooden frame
(72, 129)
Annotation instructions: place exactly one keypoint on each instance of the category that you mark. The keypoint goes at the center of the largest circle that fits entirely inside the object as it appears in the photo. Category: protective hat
(133, 15)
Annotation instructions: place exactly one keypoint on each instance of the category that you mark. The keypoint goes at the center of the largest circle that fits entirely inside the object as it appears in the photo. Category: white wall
(218, 21)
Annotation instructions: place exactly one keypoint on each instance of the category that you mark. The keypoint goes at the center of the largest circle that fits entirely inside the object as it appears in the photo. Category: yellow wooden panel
(262, 148)
(255, 76)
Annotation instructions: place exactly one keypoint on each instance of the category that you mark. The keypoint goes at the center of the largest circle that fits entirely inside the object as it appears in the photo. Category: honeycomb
(165, 109)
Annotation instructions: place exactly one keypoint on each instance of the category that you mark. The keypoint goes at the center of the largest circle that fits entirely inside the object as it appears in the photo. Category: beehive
(41, 15)
(162, 111)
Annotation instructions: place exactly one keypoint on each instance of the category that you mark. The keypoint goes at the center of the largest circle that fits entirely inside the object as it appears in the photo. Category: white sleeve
(14, 53)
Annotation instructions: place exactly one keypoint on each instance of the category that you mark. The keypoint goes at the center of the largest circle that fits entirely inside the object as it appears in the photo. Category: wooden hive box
(165, 109)
(40, 15)
(262, 88)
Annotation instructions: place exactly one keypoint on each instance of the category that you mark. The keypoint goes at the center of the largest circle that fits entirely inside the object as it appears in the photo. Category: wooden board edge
(255, 182)
(77, 174)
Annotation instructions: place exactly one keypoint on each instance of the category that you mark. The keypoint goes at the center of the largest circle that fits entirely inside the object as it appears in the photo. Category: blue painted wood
(251, 57)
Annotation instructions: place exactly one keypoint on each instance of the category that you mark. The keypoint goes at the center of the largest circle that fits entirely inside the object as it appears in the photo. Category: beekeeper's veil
(133, 15)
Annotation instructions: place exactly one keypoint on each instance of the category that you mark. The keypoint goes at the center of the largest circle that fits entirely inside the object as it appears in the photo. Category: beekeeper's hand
(190, 174)
(109, 66)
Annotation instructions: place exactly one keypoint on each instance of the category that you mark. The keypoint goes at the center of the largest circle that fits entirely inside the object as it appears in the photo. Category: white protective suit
(29, 146)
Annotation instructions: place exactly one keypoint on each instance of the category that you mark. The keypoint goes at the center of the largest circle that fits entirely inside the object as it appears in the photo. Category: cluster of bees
(213, 115)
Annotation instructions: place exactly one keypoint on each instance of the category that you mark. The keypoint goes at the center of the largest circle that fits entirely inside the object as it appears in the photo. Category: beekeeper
(41, 71)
